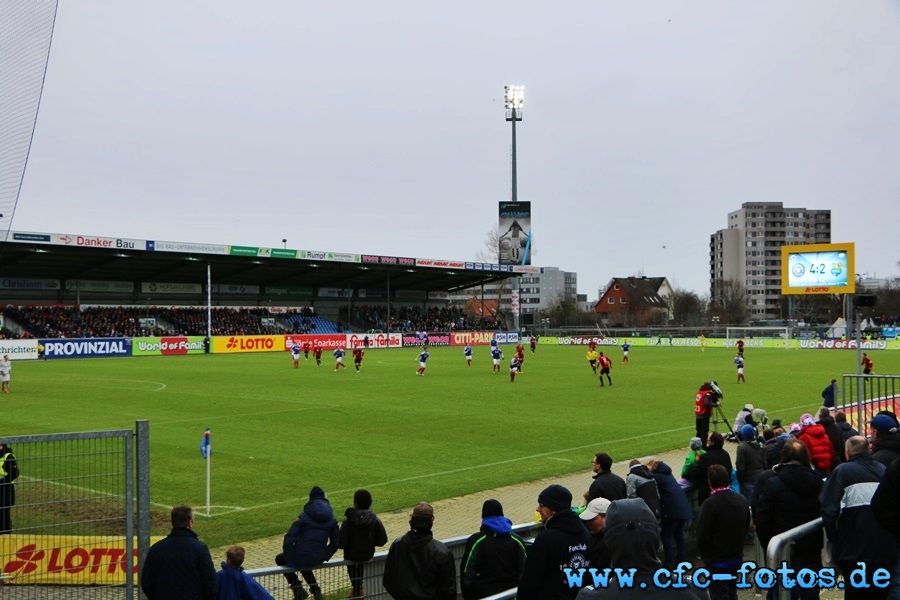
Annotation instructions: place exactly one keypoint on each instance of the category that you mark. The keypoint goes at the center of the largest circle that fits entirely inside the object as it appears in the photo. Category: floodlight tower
(514, 101)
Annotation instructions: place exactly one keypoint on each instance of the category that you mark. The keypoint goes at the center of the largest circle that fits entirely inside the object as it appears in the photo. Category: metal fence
(73, 517)
(334, 582)
(865, 395)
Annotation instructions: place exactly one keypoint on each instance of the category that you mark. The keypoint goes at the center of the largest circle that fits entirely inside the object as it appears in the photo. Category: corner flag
(205, 446)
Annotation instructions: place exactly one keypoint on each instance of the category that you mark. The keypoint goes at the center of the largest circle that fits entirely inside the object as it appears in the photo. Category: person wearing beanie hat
(494, 558)
(417, 565)
(361, 531)
(312, 539)
(563, 544)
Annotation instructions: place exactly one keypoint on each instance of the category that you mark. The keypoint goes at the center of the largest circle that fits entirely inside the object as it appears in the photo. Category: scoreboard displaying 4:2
(818, 269)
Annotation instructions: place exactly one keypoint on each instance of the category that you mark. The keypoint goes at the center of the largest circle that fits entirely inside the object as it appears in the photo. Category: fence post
(142, 429)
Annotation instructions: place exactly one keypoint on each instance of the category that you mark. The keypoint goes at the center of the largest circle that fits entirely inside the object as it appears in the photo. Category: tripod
(719, 417)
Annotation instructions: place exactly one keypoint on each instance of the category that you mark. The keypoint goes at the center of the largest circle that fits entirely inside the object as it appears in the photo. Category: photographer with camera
(708, 397)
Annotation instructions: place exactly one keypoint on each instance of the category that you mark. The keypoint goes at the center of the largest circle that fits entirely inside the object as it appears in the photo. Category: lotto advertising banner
(232, 344)
(434, 339)
(87, 347)
(167, 346)
(471, 338)
(19, 349)
(65, 559)
(326, 340)
(376, 340)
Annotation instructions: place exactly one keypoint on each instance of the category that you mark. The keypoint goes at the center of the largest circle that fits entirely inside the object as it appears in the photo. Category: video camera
(712, 388)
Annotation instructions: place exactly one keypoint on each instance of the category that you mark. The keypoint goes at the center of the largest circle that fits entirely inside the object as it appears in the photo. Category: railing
(779, 548)
(333, 580)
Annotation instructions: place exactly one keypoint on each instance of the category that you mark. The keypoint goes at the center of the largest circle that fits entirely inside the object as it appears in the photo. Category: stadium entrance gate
(863, 396)
(73, 521)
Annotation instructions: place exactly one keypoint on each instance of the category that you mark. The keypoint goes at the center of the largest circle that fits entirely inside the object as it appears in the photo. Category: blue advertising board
(87, 347)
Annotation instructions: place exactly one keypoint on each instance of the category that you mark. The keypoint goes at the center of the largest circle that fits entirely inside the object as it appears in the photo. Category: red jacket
(821, 452)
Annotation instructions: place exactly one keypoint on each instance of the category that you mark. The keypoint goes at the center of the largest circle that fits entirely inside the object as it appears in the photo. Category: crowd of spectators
(73, 322)
(415, 318)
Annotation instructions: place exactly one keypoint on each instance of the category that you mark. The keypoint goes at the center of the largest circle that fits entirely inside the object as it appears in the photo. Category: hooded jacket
(633, 541)
(493, 560)
(564, 543)
(789, 497)
(314, 535)
(821, 452)
(419, 567)
(640, 484)
(361, 531)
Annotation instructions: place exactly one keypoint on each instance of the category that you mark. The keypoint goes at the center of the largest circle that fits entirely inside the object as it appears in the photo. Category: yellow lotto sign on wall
(247, 343)
(65, 559)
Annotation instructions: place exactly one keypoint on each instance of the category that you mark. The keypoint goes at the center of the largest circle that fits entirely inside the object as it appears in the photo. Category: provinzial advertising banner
(66, 559)
(167, 346)
(232, 344)
(87, 347)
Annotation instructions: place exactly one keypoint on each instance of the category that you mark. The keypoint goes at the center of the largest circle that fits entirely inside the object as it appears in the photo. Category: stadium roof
(65, 257)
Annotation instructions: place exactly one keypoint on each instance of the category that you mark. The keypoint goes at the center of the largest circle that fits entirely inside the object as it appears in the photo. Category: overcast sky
(378, 127)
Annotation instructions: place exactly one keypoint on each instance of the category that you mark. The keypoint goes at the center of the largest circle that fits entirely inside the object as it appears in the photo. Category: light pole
(284, 242)
(513, 102)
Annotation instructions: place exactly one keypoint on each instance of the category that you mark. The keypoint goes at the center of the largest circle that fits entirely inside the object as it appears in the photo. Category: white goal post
(736, 333)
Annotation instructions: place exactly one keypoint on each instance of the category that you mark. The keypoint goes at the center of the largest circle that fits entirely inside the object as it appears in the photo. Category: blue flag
(205, 446)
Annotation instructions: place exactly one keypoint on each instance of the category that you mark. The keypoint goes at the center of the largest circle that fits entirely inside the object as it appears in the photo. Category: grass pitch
(277, 431)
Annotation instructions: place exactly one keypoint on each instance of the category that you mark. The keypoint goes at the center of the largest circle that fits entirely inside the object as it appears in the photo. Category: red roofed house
(635, 301)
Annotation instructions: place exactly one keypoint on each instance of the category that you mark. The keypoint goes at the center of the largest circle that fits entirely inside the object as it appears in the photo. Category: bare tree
(731, 301)
(687, 307)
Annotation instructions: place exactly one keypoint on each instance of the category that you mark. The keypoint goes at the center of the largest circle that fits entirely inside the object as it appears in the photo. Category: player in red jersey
(592, 345)
(357, 358)
(520, 357)
(740, 347)
(605, 366)
(306, 347)
(533, 343)
(867, 364)
(317, 352)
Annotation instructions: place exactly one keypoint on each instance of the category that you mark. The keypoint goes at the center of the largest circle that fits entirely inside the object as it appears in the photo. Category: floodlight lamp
(514, 97)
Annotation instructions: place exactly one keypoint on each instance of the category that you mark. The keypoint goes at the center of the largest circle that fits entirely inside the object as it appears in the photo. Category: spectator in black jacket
(494, 558)
(885, 437)
(721, 530)
(179, 566)
(606, 484)
(886, 509)
(640, 483)
(834, 433)
(750, 460)
(563, 544)
(715, 455)
(787, 498)
(847, 430)
(419, 567)
(361, 531)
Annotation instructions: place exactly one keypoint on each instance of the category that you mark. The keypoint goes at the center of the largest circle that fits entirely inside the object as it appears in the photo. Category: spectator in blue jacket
(312, 539)
(676, 512)
(233, 583)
